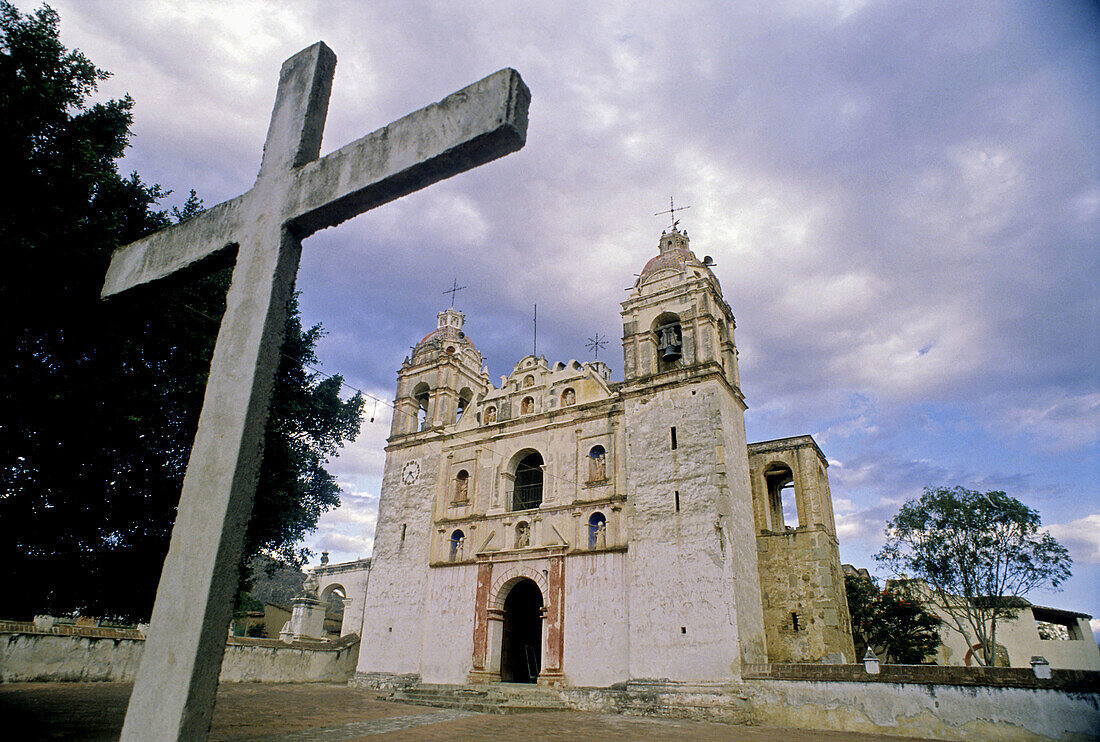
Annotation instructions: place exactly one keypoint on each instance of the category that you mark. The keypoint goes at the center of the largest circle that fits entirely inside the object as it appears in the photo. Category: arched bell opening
(670, 341)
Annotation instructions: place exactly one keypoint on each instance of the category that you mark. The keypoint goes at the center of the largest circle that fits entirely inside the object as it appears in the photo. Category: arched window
(528, 406)
(781, 496)
(670, 341)
(528, 488)
(458, 538)
(462, 483)
(597, 464)
(597, 531)
(523, 534)
(568, 397)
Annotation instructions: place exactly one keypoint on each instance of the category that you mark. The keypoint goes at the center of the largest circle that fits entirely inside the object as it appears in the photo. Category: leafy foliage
(101, 399)
(978, 552)
(892, 622)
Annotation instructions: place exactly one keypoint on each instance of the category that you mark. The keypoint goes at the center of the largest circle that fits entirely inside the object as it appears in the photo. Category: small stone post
(870, 662)
(1040, 666)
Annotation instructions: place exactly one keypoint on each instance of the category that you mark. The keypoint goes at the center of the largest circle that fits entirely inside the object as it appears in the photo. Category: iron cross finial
(455, 288)
(671, 211)
(594, 344)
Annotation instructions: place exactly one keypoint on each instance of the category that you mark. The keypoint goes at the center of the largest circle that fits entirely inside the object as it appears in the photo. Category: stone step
(504, 698)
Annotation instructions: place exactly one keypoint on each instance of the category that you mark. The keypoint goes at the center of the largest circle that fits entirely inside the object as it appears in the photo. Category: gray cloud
(903, 199)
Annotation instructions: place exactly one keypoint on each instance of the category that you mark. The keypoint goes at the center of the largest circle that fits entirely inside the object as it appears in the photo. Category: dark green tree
(892, 622)
(979, 554)
(100, 400)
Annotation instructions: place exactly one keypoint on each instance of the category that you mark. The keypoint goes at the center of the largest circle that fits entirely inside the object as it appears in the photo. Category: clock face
(410, 472)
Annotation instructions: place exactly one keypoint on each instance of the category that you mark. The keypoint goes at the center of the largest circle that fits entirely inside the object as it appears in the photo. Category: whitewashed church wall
(448, 638)
(740, 531)
(597, 649)
(396, 591)
(682, 623)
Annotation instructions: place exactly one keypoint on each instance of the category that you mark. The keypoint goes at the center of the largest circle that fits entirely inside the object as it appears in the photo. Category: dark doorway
(521, 648)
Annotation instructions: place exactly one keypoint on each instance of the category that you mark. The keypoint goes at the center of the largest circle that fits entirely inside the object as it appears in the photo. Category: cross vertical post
(295, 194)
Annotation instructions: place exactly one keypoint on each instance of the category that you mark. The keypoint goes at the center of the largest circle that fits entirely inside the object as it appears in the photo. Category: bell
(671, 352)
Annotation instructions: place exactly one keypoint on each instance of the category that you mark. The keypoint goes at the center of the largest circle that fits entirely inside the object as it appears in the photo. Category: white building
(566, 528)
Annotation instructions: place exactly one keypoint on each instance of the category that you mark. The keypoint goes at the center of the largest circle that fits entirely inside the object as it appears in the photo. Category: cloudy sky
(902, 198)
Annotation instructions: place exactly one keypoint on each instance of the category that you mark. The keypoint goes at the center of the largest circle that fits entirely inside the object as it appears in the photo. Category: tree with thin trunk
(979, 554)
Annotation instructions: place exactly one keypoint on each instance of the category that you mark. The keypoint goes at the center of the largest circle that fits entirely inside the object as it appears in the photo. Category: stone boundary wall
(922, 710)
(1087, 681)
(89, 653)
(927, 710)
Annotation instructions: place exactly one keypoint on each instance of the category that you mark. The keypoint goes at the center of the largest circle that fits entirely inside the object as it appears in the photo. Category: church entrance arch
(521, 639)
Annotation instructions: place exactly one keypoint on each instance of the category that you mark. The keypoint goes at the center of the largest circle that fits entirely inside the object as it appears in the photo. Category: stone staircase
(497, 698)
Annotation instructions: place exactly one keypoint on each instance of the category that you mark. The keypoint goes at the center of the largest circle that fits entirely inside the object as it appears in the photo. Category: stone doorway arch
(529, 595)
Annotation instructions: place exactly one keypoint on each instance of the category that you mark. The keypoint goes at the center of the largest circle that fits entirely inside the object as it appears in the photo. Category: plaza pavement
(316, 712)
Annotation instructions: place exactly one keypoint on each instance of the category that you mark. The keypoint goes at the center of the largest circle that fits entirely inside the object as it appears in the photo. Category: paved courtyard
(317, 712)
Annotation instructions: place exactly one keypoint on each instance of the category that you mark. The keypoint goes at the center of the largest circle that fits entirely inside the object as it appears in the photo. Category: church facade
(564, 528)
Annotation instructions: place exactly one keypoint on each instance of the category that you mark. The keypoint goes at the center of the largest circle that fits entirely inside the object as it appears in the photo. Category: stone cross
(295, 195)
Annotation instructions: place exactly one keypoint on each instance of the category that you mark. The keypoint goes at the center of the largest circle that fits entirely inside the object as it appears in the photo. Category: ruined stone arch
(335, 597)
(779, 483)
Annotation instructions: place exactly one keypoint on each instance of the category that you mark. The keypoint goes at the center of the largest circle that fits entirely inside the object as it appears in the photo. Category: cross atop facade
(671, 211)
(595, 344)
(295, 195)
(455, 288)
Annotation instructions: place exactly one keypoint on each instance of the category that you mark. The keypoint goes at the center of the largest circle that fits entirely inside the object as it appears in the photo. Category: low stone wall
(79, 653)
(948, 712)
(271, 661)
(1003, 677)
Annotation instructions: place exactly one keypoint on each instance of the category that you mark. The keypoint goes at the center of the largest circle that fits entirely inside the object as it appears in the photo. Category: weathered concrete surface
(30, 656)
(923, 710)
(947, 712)
(295, 194)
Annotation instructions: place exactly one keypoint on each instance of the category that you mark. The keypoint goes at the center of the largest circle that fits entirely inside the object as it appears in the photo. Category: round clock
(410, 472)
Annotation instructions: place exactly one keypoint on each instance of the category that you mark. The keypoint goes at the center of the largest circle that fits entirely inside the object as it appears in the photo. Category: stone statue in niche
(523, 535)
(601, 535)
(597, 464)
(462, 483)
(569, 398)
(527, 407)
(528, 381)
(490, 415)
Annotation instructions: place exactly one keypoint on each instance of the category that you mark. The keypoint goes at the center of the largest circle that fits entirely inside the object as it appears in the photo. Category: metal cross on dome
(455, 288)
(296, 193)
(595, 344)
(671, 211)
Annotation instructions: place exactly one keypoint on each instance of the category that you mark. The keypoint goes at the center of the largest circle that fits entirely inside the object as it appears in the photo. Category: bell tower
(675, 322)
(439, 381)
(695, 608)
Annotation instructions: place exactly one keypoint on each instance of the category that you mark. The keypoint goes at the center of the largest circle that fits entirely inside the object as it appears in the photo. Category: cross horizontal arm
(169, 250)
(468, 128)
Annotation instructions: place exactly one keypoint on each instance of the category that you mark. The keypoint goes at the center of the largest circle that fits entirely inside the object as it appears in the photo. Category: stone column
(479, 673)
(554, 624)
(307, 619)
